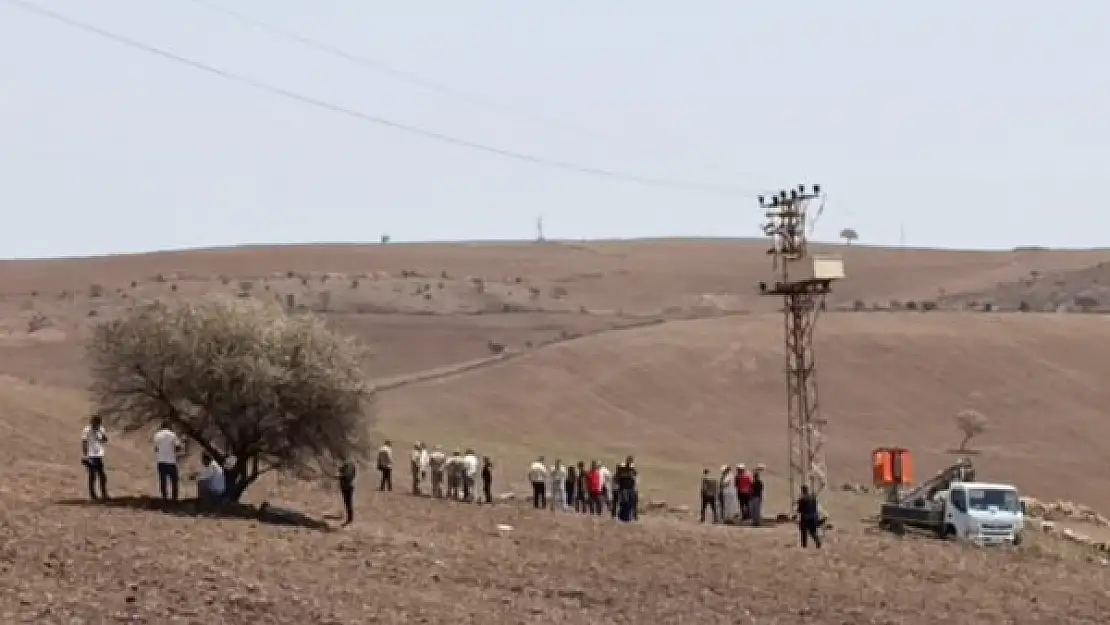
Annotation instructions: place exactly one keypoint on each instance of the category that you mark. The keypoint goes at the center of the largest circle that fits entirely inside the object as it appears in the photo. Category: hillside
(1077, 290)
(428, 305)
(661, 349)
(697, 394)
(411, 560)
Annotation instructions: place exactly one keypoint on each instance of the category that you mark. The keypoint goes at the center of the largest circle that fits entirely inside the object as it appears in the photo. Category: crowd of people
(587, 490)
(734, 497)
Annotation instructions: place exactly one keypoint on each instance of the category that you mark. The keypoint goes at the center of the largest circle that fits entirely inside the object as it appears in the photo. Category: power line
(426, 83)
(722, 189)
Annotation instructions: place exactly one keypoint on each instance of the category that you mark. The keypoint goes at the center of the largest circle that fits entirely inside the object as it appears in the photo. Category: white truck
(953, 505)
(982, 512)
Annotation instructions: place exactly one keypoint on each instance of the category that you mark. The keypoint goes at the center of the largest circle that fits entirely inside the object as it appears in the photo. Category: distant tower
(802, 282)
(539, 229)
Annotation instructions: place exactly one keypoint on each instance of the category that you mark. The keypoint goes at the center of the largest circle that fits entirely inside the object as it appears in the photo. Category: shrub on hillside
(257, 389)
(971, 423)
(96, 290)
(37, 322)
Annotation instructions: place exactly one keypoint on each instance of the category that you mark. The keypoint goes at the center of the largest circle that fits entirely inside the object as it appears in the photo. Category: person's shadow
(197, 509)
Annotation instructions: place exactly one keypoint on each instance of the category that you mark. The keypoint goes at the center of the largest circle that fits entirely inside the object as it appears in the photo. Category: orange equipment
(892, 467)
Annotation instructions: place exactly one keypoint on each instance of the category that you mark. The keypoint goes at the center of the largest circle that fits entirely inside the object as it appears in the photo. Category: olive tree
(971, 423)
(256, 388)
(849, 235)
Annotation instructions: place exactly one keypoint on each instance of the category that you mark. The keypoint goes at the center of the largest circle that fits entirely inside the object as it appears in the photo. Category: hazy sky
(973, 124)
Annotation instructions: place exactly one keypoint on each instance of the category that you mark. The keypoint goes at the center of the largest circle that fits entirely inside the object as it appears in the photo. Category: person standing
(537, 475)
(487, 478)
(731, 506)
(743, 490)
(454, 466)
(709, 489)
(437, 461)
(625, 482)
(470, 475)
(569, 486)
(385, 465)
(93, 440)
(808, 518)
(415, 460)
(167, 446)
(558, 487)
(755, 504)
(582, 490)
(608, 493)
(347, 473)
(597, 488)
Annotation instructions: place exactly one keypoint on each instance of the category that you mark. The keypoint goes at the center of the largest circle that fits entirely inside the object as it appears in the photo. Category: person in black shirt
(625, 479)
(571, 485)
(808, 518)
(347, 473)
(487, 478)
(709, 488)
(755, 504)
(582, 490)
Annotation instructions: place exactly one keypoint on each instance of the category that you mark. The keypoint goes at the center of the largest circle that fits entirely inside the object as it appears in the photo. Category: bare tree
(255, 388)
(849, 235)
(971, 423)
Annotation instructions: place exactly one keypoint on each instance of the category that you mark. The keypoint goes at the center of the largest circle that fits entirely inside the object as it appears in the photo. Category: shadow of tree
(193, 508)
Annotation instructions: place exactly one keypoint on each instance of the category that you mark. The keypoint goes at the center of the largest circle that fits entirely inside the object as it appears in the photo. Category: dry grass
(680, 395)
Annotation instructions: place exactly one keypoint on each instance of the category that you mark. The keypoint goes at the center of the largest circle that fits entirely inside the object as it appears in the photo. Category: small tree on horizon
(971, 423)
(257, 389)
(849, 235)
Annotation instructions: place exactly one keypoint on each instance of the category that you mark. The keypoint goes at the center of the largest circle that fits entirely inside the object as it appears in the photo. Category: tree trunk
(239, 478)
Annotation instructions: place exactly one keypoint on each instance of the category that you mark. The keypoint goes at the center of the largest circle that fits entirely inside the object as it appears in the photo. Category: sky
(964, 124)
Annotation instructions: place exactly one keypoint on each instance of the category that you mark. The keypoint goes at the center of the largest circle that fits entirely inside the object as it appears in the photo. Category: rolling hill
(661, 349)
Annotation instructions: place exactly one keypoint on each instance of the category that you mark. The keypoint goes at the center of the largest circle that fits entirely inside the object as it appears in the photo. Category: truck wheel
(1018, 539)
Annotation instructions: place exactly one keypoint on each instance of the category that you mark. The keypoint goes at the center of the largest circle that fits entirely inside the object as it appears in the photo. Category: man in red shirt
(597, 488)
(743, 490)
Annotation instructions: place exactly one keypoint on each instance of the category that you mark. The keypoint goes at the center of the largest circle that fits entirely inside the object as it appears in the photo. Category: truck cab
(983, 512)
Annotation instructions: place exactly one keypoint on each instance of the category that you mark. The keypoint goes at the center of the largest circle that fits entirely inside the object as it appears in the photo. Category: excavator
(951, 504)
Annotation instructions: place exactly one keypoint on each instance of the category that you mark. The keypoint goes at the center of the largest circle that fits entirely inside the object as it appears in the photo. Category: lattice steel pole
(802, 282)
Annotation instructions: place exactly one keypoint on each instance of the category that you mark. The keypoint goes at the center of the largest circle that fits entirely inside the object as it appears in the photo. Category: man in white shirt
(607, 493)
(93, 440)
(167, 446)
(537, 474)
(470, 475)
(211, 483)
(558, 486)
